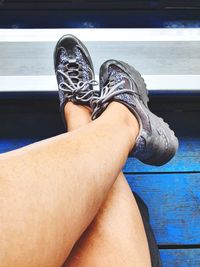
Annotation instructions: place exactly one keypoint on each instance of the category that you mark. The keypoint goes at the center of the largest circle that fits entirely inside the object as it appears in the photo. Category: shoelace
(78, 90)
(108, 92)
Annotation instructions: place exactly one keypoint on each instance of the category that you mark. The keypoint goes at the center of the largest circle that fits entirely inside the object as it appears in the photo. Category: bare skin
(51, 191)
(116, 237)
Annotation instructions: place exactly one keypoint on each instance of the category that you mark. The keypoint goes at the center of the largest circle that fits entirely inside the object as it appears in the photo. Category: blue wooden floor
(99, 14)
(171, 192)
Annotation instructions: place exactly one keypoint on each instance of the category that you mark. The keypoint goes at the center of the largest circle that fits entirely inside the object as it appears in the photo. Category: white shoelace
(78, 90)
(108, 92)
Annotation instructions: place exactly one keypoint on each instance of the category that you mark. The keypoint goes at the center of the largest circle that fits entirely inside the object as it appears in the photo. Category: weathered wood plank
(180, 257)
(81, 5)
(173, 199)
(174, 205)
(120, 18)
(37, 114)
(35, 58)
(187, 159)
(98, 4)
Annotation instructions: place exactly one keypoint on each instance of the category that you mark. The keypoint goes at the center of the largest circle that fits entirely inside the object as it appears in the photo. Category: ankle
(125, 118)
(76, 115)
(72, 108)
(131, 123)
(76, 111)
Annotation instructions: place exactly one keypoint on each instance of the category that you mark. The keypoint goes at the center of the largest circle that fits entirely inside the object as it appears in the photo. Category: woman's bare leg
(116, 237)
(50, 191)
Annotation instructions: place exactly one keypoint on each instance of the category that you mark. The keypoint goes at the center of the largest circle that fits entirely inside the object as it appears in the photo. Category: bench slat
(180, 257)
(35, 58)
(173, 201)
(187, 159)
(80, 18)
(26, 56)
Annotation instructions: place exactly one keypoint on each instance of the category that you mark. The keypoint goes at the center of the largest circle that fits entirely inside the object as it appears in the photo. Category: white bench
(169, 59)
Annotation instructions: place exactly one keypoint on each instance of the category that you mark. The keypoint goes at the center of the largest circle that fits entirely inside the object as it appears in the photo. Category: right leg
(116, 237)
(45, 207)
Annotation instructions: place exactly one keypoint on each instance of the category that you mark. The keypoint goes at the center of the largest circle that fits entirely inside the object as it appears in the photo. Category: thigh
(117, 236)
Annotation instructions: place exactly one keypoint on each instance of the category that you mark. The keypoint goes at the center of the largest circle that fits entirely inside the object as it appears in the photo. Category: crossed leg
(51, 191)
(116, 236)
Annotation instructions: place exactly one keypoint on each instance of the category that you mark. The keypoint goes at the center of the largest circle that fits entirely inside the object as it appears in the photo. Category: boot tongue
(72, 60)
(72, 68)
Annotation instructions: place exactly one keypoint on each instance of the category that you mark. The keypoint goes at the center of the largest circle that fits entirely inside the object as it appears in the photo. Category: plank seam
(196, 246)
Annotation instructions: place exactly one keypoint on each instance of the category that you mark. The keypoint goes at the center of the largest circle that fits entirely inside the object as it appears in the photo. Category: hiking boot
(74, 72)
(156, 143)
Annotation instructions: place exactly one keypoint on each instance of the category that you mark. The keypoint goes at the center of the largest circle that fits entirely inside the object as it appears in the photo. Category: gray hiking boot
(156, 143)
(74, 72)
